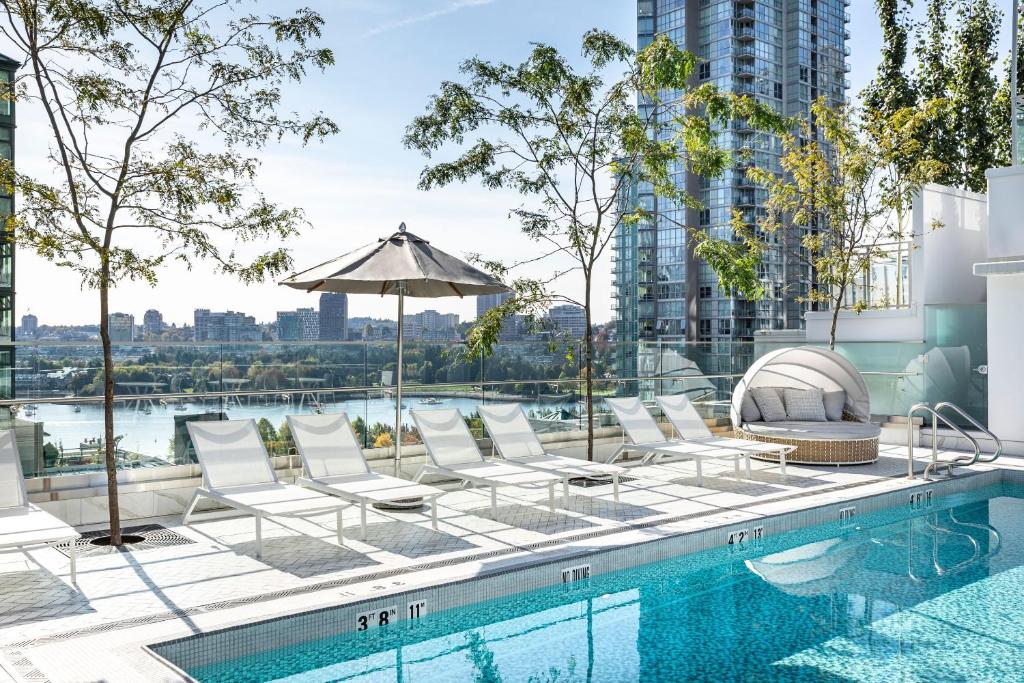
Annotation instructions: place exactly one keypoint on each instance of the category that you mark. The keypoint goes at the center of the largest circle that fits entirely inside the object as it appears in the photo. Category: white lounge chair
(646, 437)
(452, 451)
(689, 425)
(237, 473)
(23, 524)
(515, 441)
(334, 464)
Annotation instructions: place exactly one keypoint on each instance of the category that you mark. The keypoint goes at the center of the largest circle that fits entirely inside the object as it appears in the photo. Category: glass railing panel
(161, 386)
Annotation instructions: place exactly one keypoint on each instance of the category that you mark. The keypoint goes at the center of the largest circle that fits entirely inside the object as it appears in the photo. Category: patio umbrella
(401, 264)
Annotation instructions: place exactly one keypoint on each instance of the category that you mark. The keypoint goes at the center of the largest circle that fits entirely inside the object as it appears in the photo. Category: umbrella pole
(398, 392)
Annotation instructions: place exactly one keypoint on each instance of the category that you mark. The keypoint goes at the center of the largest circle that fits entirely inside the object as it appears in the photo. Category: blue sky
(391, 56)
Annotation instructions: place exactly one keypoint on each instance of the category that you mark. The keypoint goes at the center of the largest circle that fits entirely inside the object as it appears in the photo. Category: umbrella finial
(401, 227)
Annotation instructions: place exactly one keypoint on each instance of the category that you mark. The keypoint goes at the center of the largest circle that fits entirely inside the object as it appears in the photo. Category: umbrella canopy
(380, 267)
(405, 265)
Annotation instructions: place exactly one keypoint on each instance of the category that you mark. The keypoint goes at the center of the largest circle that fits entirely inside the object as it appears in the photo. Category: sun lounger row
(237, 472)
(695, 441)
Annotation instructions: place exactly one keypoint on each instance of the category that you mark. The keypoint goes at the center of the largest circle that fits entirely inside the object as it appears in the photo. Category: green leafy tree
(359, 427)
(149, 107)
(891, 90)
(973, 91)
(934, 77)
(267, 432)
(1002, 108)
(570, 142)
(848, 194)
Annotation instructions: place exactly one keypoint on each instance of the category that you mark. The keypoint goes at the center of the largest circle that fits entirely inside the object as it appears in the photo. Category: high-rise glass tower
(786, 54)
(8, 67)
(333, 316)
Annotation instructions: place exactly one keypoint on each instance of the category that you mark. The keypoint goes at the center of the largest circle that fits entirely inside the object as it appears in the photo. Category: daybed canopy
(806, 367)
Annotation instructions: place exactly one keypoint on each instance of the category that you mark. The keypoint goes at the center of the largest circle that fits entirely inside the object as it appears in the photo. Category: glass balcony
(886, 283)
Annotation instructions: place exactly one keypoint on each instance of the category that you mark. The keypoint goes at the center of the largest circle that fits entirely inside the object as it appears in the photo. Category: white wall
(1006, 212)
(1005, 359)
(1006, 309)
(941, 270)
(948, 253)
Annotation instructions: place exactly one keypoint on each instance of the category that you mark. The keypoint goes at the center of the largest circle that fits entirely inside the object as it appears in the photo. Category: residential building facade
(229, 326)
(333, 316)
(485, 302)
(431, 325)
(569, 320)
(786, 54)
(152, 324)
(514, 327)
(372, 329)
(29, 326)
(121, 327)
(302, 324)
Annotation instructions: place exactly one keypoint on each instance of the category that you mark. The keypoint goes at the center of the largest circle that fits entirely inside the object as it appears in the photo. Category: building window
(5, 94)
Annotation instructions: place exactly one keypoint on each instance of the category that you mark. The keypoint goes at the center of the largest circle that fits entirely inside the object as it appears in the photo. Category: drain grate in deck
(153, 536)
(586, 483)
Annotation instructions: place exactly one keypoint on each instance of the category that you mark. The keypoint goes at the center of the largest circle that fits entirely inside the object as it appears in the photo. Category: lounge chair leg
(736, 466)
(190, 508)
(494, 504)
(419, 475)
(362, 521)
(782, 462)
(259, 536)
(615, 455)
(433, 513)
(341, 528)
(565, 493)
(551, 496)
(71, 558)
(700, 472)
(747, 456)
(615, 487)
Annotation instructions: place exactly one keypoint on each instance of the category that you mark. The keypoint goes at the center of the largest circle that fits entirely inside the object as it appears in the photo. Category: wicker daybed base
(818, 451)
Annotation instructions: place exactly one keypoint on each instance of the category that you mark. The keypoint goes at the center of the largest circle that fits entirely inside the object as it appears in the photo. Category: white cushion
(835, 404)
(817, 431)
(769, 402)
(748, 409)
(804, 405)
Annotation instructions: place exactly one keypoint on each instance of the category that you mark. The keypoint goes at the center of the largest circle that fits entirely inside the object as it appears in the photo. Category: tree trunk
(108, 404)
(836, 305)
(588, 368)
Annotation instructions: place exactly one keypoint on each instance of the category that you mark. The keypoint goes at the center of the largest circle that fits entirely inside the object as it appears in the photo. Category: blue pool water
(927, 595)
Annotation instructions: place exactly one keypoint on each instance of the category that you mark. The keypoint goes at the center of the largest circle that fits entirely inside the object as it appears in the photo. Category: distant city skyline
(362, 183)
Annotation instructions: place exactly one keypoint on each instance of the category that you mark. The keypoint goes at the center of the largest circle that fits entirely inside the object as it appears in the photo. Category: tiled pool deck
(50, 631)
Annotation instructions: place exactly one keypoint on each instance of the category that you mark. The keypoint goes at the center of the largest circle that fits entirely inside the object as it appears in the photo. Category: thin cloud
(451, 7)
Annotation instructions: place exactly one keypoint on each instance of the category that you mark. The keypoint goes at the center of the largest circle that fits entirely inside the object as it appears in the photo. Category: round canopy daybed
(850, 441)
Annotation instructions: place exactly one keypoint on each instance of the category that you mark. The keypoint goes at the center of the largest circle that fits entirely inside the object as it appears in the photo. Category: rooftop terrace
(205, 576)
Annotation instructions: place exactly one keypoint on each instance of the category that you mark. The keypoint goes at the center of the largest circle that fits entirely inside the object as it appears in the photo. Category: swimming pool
(933, 593)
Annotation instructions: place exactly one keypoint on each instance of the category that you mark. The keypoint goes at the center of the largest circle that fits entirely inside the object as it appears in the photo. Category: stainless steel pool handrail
(946, 405)
(933, 525)
(958, 461)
